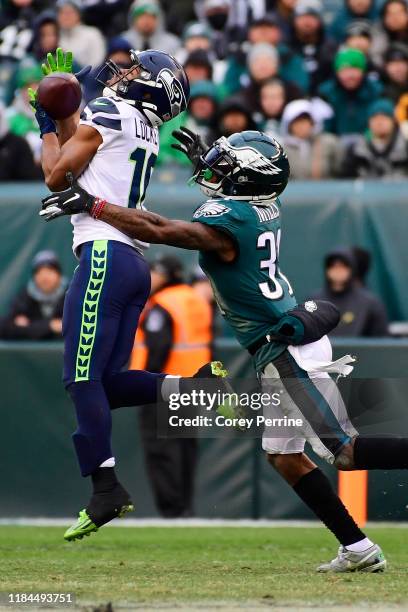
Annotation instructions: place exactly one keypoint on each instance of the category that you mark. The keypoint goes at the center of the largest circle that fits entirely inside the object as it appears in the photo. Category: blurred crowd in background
(328, 78)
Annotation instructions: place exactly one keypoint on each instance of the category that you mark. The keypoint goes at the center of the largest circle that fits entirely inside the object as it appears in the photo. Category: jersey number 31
(272, 289)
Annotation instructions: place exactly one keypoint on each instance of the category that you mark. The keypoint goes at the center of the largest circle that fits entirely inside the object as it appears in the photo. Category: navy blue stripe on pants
(311, 403)
(101, 312)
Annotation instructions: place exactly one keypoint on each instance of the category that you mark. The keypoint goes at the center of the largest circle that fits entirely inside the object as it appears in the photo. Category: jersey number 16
(141, 176)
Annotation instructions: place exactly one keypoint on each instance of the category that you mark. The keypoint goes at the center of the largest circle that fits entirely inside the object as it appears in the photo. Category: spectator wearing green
(350, 93)
(200, 118)
(20, 114)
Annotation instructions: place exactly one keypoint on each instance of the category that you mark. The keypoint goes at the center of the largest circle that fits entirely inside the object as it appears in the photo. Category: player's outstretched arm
(156, 229)
(142, 225)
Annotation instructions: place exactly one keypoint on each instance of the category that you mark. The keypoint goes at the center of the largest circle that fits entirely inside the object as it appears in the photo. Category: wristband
(97, 208)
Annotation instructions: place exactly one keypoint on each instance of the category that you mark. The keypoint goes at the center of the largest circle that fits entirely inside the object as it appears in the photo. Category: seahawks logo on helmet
(174, 91)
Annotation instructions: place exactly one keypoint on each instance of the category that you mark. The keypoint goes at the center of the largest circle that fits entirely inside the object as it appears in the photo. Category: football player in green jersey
(237, 232)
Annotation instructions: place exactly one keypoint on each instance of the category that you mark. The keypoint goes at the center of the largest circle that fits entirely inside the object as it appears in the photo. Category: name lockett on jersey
(146, 132)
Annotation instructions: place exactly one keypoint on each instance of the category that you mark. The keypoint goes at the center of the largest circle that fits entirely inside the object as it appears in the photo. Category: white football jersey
(121, 168)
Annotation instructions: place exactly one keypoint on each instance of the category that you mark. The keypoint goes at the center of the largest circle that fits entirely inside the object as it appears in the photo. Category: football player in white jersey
(112, 151)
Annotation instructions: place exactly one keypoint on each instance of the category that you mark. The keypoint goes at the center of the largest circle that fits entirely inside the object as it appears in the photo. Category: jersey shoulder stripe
(103, 112)
(112, 124)
(103, 105)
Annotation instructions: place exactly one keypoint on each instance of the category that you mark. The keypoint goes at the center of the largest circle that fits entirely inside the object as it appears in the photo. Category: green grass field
(184, 565)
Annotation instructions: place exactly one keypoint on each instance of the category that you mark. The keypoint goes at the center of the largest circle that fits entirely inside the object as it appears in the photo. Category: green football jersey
(252, 292)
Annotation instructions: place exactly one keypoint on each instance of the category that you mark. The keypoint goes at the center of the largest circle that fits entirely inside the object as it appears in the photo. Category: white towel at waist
(316, 358)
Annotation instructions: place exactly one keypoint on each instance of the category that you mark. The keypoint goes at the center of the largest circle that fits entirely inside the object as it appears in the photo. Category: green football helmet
(245, 166)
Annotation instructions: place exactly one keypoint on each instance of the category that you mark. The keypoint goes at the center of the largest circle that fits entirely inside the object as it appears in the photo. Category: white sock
(360, 546)
(170, 385)
(108, 463)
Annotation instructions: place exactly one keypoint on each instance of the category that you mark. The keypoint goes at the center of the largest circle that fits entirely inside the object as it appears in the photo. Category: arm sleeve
(158, 330)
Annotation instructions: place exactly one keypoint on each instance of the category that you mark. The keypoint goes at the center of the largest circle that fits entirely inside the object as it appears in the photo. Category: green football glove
(32, 98)
(61, 63)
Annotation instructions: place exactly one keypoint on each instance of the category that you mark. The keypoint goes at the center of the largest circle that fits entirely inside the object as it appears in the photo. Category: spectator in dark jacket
(218, 15)
(362, 313)
(36, 313)
(234, 116)
(395, 75)
(198, 66)
(45, 35)
(16, 159)
(350, 93)
(351, 10)
(383, 152)
(310, 41)
(109, 16)
(284, 13)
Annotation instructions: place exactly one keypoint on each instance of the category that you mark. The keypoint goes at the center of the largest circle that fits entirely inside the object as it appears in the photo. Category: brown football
(59, 94)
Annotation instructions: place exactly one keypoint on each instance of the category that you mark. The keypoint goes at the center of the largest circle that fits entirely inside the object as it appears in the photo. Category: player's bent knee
(291, 467)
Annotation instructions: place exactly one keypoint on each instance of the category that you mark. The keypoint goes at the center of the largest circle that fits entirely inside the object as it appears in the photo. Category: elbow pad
(306, 323)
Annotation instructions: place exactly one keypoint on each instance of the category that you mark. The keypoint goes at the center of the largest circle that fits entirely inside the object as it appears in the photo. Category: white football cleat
(370, 560)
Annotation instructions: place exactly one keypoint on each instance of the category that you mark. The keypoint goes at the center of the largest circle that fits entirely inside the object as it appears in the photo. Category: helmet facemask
(230, 171)
(117, 79)
(214, 170)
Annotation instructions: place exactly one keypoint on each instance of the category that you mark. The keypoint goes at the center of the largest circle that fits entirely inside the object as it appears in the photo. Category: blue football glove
(45, 123)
